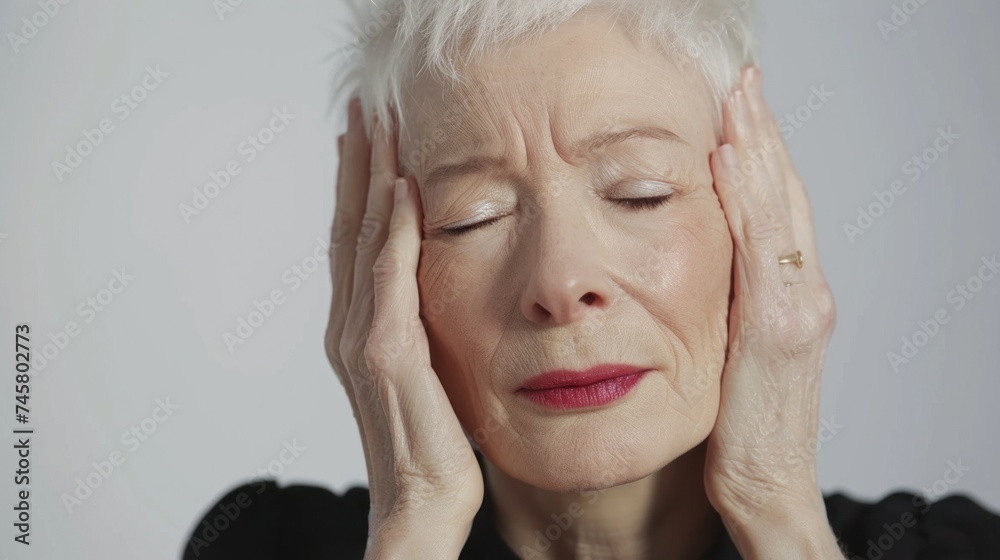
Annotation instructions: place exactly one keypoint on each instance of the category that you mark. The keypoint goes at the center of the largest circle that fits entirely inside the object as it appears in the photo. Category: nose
(568, 280)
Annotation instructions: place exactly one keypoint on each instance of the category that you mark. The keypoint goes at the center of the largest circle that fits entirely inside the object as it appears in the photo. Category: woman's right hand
(424, 480)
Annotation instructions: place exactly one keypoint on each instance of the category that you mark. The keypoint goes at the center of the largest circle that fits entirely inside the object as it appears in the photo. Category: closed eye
(456, 231)
(643, 203)
(628, 203)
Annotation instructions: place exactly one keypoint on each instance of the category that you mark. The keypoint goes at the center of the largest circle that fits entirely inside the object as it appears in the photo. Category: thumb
(396, 295)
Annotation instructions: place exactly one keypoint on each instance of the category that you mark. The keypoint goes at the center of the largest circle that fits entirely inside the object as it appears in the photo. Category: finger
(351, 187)
(771, 143)
(754, 163)
(351, 198)
(735, 130)
(374, 224)
(754, 254)
(767, 121)
(769, 124)
(396, 306)
(351, 193)
(420, 416)
(780, 165)
(754, 175)
(375, 210)
(759, 287)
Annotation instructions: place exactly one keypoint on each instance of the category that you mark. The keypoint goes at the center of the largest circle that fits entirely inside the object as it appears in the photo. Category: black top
(262, 521)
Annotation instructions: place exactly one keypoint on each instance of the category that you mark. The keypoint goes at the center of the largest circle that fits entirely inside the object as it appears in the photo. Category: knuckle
(786, 330)
(380, 176)
(758, 229)
(827, 308)
(350, 352)
(378, 355)
(371, 228)
(781, 223)
(364, 388)
(778, 325)
(343, 225)
(331, 342)
(387, 268)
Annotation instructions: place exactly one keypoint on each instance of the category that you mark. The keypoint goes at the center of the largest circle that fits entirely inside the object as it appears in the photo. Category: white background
(162, 336)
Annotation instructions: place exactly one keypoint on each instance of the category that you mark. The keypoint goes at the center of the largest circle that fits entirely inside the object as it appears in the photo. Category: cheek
(709, 261)
(706, 249)
(690, 253)
(453, 294)
(689, 281)
(678, 271)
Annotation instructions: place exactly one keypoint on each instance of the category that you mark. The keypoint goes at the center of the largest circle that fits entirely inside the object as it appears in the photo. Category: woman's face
(538, 149)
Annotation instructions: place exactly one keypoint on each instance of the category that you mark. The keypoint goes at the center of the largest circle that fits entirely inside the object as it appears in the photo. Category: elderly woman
(577, 306)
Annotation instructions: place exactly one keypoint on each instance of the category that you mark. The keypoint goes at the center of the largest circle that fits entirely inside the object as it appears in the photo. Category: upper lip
(576, 378)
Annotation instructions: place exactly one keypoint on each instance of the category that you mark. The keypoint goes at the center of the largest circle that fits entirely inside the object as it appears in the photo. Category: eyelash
(644, 203)
(633, 204)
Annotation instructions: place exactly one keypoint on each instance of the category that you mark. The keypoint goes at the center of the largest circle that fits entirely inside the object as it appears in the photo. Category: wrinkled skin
(568, 277)
(564, 275)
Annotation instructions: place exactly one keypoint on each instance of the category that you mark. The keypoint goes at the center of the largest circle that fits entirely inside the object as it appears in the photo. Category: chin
(599, 449)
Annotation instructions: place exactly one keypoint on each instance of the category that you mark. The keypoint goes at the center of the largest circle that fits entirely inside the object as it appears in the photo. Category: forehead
(587, 75)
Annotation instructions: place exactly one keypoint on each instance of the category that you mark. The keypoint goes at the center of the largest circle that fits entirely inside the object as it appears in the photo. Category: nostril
(542, 312)
(588, 298)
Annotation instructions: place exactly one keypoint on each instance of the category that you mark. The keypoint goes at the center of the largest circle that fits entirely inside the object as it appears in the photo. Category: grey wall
(65, 235)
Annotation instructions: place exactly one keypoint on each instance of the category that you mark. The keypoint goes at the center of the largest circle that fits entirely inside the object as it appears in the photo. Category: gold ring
(795, 259)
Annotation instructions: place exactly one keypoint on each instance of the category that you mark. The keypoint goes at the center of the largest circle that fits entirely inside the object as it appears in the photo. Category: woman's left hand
(760, 468)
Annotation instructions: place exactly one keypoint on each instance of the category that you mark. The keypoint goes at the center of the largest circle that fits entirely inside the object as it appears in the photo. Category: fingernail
(400, 190)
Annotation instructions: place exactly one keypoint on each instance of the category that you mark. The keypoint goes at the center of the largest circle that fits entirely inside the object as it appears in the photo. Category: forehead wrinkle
(483, 127)
(650, 64)
(489, 99)
(469, 166)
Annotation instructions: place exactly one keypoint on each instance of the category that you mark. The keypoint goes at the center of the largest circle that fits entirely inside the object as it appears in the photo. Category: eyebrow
(592, 143)
(605, 138)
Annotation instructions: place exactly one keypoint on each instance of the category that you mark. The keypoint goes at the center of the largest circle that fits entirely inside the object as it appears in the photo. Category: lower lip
(585, 396)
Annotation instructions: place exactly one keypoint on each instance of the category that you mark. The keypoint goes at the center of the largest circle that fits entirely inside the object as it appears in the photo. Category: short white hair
(396, 41)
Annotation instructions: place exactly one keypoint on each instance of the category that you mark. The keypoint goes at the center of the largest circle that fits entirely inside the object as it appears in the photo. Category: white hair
(396, 41)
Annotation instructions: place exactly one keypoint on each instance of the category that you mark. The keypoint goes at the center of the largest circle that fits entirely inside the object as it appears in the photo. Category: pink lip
(568, 389)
